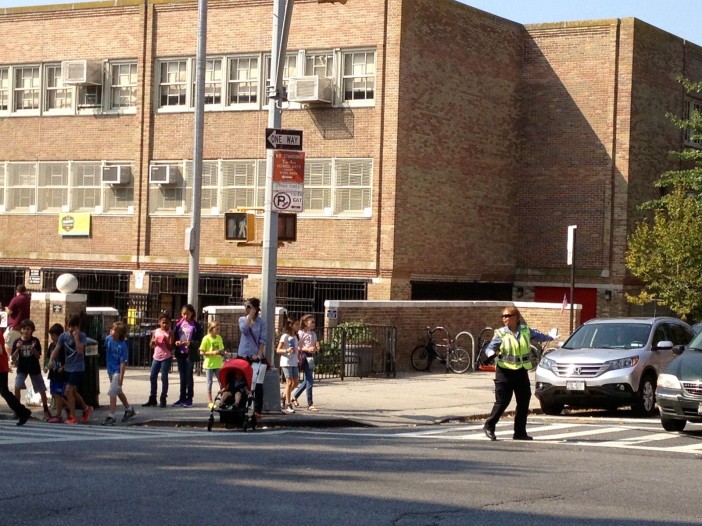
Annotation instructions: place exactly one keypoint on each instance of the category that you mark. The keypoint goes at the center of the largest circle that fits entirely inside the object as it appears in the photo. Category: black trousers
(508, 381)
(9, 396)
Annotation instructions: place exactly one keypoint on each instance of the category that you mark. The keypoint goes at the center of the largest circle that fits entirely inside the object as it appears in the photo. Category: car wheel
(646, 404)
(551, 409)
(673, 424)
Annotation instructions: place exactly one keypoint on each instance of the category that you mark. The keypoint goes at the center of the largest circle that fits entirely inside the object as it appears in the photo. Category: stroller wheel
(210, 422)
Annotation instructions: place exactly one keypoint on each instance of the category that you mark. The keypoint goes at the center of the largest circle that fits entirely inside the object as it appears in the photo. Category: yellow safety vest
(514, 354)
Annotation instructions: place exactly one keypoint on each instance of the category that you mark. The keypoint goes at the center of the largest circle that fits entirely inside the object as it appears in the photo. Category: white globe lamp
(67, 283)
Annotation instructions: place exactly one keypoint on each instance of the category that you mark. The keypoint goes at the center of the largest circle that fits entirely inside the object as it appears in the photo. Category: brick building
(447, 149)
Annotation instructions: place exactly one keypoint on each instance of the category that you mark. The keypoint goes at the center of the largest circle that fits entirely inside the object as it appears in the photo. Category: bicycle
(456, 359)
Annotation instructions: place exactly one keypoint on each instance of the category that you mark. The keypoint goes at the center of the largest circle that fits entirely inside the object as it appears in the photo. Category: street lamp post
(571, 262)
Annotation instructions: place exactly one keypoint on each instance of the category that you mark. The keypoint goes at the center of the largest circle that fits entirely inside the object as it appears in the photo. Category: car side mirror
(663, 346)
(678, 350)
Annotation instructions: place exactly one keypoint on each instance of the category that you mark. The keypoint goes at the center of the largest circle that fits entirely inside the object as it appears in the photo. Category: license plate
(577, 385)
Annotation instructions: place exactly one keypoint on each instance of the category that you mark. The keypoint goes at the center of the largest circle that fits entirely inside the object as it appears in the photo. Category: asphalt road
(576, 473)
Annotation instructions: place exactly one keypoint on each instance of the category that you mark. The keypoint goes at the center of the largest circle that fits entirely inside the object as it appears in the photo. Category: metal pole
(571, 261)
(282, 13)
(192, 235)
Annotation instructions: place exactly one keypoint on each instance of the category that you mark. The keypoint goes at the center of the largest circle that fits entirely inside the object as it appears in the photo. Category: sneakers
(150, 403)
(179, 403)
(70, 420)
(129, 413)
(312, 408)
(109, 421)
(55, 420)
(288, 410)
(188, 403)
(86, 414)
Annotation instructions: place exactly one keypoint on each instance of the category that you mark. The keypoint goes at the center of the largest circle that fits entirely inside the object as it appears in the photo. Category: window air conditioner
(310, 89)
(81, 72)
(116, 174)
(163, 174)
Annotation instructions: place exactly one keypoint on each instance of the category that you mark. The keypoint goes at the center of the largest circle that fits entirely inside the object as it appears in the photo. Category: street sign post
(283, 139)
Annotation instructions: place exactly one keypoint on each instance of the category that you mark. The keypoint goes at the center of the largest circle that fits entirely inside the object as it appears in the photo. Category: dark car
(679, 390)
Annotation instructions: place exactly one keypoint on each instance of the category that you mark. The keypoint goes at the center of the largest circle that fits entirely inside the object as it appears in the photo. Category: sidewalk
(409, 399)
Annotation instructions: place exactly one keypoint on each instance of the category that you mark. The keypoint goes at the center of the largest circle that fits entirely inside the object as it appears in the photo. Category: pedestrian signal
(239, 226)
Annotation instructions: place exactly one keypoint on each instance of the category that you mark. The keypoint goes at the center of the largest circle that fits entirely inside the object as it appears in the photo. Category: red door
(586, 297)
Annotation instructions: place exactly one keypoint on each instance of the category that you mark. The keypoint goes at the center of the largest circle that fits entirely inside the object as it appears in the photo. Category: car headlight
(622, 363)
(669, 381)
(547, 364)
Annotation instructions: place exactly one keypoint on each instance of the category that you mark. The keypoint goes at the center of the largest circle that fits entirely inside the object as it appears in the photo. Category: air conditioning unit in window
(311, 89)
(119, 174)
(163, 174)
(81, 72)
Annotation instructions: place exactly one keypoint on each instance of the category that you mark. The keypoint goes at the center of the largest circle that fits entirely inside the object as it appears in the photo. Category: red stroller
(237, 375)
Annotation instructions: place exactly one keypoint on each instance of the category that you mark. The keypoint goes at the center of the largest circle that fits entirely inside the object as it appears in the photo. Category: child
(162, 342)
(187, 335)
(26, 351)
(287, 348)
(212, 348)
(238, 383)
(117, 356)
(308, 346)
(73, 343)
(22, 412)
(57, 376)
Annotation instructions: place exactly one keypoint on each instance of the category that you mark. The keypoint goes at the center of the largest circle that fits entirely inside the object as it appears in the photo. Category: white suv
(610, 363)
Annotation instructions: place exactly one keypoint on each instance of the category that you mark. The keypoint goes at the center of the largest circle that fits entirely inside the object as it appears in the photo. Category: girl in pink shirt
(162, 342)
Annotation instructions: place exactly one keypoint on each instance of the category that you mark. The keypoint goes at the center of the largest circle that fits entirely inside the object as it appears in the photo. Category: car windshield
(696, 342)
(609, 336)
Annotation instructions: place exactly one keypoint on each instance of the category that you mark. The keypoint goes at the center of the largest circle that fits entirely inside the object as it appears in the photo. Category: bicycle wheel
(420, 358)
(459, 360)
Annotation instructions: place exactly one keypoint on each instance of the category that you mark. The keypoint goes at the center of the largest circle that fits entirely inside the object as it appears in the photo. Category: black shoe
(489, 433)
(522, 437)
(24, 417)
(150, 403)
(163, 403)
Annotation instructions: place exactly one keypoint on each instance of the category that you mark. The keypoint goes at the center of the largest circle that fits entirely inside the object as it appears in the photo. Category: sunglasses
(507, 315)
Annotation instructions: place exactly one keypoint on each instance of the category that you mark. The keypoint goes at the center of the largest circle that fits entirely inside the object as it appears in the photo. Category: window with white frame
(290, 70)
(123, 85)
(209, 185)
(338, 187)
(319, 63)
(358, 76)
(243, 184)
(27, 92)
(243, 84)
(213, 82)
(52, 190)
(2, 187)
(66, 186)
(58, 96)
(693, 111)
(171, 198)
(4, 89)
(173, 85)
(89, 97)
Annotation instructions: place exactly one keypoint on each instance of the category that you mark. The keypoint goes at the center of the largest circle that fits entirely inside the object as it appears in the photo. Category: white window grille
(52, 188)
(27, 84)
(171, 198)
(358, 77)
(21, 187)
(2, 186)
(243, 80)
(352, 186)
(87, 186)
(240, 186)
(318, 186)
(123, 85)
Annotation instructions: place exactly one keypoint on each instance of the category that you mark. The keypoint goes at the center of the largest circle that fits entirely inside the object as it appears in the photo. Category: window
(58, 96)
(243, 80)
(4, 89)
(173, 83)
(289, 71)
(89, 97)
(170, 198)
(358, 78)
(693, 110)
(321, 64)
(241, 184)
(65, 186)
(123, 78)
(2, 187)
(27, 88)
(338, 186)
(213, 82)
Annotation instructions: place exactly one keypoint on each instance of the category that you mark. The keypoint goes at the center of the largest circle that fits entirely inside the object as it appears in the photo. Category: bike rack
(472, 347)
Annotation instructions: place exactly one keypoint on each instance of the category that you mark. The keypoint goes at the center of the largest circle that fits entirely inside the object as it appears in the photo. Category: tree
(666, 254)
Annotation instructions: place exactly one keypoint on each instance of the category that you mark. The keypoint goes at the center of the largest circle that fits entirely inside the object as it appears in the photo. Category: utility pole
(192, 234)
(571, 262)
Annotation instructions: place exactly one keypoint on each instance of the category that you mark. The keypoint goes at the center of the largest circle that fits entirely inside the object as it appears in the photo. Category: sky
(675, 16)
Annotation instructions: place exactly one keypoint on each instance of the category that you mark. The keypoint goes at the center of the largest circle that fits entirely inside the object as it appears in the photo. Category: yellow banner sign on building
(74, 224)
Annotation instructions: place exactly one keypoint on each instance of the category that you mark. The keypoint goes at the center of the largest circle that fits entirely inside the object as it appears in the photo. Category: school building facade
(447, 150)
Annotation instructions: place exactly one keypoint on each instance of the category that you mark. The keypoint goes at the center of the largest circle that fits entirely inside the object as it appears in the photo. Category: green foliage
(666, 253)
(328, 359)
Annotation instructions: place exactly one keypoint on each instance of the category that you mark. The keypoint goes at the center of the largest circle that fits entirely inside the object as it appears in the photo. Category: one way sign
(283, 139)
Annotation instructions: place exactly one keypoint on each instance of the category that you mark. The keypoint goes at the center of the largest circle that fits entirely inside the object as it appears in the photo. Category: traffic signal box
(240, 226)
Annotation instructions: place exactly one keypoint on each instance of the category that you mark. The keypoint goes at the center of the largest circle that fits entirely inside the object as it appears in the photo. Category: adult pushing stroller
(235, 403)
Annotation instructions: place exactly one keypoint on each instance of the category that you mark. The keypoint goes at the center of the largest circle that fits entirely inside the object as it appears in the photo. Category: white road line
(565, 436)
